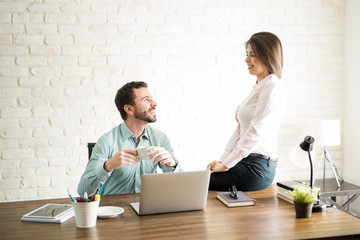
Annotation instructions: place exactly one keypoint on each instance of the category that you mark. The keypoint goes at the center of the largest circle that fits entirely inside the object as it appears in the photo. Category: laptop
(172, 192)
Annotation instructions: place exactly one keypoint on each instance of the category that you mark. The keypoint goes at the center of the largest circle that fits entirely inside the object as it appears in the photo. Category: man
(114, 159)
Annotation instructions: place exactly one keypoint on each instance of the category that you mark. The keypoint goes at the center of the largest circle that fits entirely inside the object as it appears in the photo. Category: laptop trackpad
(136, 206)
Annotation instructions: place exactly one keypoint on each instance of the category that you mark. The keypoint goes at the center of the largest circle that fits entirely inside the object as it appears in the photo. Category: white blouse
(258, 121)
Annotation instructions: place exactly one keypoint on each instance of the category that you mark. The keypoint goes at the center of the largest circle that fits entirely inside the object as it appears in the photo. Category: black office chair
(90, 148)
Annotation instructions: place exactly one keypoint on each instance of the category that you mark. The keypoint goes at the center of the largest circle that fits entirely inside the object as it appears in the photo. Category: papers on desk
(284, 188)
(285, 197)
(53, 213)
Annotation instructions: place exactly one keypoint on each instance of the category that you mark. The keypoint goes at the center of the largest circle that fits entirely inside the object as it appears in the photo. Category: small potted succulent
(303, 197)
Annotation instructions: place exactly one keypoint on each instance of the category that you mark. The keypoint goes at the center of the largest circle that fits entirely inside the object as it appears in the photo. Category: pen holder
(86, 213)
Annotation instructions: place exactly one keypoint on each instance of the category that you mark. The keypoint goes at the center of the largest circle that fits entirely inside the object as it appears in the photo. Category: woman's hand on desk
(216, 166)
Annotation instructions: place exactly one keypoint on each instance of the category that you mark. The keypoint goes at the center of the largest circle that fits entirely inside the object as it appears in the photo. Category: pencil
(93, 196)
(72, 199)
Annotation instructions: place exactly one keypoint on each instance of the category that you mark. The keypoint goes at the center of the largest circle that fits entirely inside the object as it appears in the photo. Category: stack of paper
(285, 187)
(54, 213)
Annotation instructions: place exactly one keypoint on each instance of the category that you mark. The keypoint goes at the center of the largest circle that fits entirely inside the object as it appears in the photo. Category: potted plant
(303, 197)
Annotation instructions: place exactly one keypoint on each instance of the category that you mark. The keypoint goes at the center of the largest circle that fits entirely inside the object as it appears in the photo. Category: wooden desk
(271, 218)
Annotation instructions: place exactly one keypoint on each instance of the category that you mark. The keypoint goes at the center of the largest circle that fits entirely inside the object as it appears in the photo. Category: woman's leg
(250, 174)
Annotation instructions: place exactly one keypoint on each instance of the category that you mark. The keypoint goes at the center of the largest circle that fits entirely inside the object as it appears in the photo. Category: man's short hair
(125, 96)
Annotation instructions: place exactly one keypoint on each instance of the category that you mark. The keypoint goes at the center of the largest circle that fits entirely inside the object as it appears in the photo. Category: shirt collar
(125, 131)
(146, 133)
(262, 82)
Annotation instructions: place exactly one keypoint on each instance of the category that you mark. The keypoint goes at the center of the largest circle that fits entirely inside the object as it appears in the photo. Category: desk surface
(329, 186)
(271, 218)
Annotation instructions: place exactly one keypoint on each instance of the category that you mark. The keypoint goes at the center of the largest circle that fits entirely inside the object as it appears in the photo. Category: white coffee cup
(86, 213)
(143, 152)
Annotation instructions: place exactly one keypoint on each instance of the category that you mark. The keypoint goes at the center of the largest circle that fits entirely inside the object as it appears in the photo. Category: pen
(101, 185)
(72, 199)
(86, 199)
(93, 196)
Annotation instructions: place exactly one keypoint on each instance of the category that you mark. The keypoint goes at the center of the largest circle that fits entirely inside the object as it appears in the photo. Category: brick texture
(61, 64)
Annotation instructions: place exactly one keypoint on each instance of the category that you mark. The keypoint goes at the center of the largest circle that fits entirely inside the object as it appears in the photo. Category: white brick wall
(62, 62)
(351, 93)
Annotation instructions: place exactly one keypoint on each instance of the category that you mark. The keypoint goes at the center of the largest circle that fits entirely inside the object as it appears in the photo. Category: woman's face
(255, 67)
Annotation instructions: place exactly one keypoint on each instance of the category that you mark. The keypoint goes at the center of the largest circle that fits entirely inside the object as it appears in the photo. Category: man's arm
(164, 155)
(94, 173)
(122, 158)
(99, 168)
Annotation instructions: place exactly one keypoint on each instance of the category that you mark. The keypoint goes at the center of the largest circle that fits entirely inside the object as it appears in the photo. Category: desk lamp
(297, 156)
(329, 135)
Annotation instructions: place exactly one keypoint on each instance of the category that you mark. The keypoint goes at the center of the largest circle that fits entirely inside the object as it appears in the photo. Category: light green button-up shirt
(126, 179)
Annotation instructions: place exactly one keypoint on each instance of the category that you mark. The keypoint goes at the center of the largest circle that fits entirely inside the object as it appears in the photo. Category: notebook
(51, 212)
(172, 192)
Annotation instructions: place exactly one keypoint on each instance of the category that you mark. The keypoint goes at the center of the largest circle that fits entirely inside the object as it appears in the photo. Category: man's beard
(145, 116)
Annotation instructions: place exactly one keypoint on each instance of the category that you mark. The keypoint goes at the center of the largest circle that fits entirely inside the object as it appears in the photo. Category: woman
(249, 160)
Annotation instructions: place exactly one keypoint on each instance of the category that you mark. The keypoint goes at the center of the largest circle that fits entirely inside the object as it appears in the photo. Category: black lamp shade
(307, 144)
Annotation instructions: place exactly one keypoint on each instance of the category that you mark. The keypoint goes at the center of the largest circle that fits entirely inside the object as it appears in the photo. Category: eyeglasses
(233, 192)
